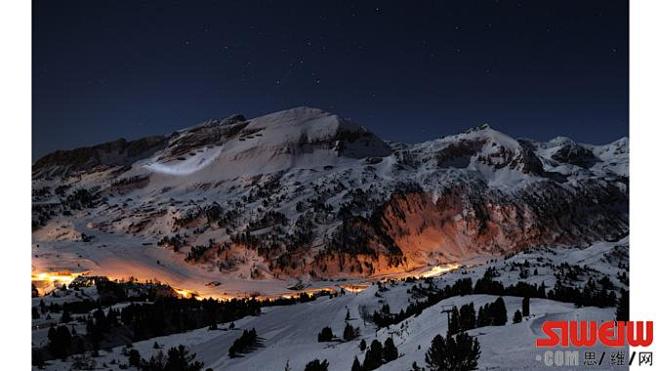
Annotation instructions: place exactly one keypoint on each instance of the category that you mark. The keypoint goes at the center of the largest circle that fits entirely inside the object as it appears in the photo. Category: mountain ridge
(233, 121)
(306, 193)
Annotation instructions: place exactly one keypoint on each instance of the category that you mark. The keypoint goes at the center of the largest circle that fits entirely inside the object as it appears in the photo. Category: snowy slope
(290, 335)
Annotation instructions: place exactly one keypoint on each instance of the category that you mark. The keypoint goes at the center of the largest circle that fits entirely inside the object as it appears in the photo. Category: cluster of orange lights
(355, 288)
(439, 270)
(55, 277)
(48, 279)
(187, 294)
(45, 281)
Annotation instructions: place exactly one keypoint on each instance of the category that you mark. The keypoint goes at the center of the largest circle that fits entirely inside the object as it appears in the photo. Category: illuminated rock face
(303, 192)
(463, 222)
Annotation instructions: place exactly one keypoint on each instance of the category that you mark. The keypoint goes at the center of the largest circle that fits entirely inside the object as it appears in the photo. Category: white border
(643, 151)
(643, 167)
(15, 183)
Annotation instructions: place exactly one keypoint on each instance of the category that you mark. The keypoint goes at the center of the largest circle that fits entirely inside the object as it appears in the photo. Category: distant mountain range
(306, 193)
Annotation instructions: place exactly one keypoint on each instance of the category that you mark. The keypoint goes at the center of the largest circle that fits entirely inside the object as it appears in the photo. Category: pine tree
(37, 358)
(179, 358)
(482, 319)
(437, 356)
(52, 333)
(316, 365)
(356, 365)
(518, 317)
(350, 333)
(454, 321)
(374, 356)
(134, 359)
(59, 341)
(467, 317)
(66, 316)
(156, 362)
(362, 345)
(526, 306)
(244, 343)
(325, 334)
(390, 350)
(500, 312)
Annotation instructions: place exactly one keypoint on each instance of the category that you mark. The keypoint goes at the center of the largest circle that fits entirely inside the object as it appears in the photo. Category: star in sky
(533, 69)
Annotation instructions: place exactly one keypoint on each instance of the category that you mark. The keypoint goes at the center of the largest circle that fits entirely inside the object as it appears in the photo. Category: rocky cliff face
(305, 192)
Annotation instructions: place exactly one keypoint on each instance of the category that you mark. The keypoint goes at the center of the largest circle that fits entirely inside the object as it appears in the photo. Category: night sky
(408, 70)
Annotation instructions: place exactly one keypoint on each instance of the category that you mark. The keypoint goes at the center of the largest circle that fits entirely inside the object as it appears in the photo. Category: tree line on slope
(138, 322)
(592, 294)
(464, 318)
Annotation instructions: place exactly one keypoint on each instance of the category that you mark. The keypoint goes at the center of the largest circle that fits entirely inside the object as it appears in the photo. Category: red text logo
(587, 333)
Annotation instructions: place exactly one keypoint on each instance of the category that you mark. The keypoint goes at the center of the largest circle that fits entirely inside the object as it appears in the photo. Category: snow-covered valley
(299, 220)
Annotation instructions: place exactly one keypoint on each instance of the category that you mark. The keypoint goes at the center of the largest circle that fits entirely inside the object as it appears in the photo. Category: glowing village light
(55, 277)
(439, 270)
(47, 280)
(355, 287)
(186, 294)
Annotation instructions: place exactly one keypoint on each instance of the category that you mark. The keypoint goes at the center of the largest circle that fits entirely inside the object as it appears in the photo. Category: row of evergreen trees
(141, 321)
(349, 333)
(593, 293)
(177, 358)
(377, 355)
(60, 341)
(315, 365)
(464, 318)
(163, 317)
(460, 352)
(63, 342)
(384, 317)
(168, 316)
(244, 344)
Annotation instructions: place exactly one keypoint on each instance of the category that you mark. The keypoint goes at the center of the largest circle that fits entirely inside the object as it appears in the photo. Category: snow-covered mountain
(305, 193)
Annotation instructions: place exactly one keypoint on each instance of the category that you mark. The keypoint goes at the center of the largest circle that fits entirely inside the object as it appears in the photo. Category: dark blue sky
(408, 70)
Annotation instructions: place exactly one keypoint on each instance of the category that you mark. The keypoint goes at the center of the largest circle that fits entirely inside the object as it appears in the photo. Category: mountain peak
(303, 129)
